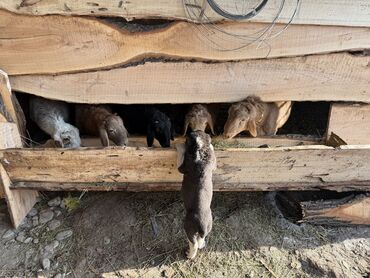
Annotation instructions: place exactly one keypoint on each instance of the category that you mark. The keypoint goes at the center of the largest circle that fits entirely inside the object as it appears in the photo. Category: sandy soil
(140, 235)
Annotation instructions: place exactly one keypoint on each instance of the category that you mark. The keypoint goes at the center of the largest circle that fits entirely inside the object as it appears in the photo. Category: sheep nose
(227, 136)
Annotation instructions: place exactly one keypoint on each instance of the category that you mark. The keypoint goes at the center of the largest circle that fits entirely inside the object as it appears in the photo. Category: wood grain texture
(176, 186)
(301, 166)
(19, 202)
(329, 12)
(352, 210)
(57, 44)
(218, 142)
(331, 77)
(351, 122)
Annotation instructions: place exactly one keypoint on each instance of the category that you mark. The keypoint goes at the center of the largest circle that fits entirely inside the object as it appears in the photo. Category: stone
(57, 213)
(21, 237)
(63, 235)
(106, 240)
(33, 212)
(53, 224)
(58, 275)
(9, 234)
(28, 240)
(54, 202)
(35, 221)
(45, 263)
(52, 246)
(36, 241)
(63, 205)
(46, 216)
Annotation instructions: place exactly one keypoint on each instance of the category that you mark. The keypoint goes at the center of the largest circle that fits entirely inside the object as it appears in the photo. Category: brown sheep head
(243, 116)
(113, 129)
(198, 118)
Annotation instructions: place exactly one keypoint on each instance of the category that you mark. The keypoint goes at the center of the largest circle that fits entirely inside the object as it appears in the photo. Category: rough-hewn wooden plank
(56, 44)
(351, 210)
(218, 142)
(175, 186)
(331, 77)
(325, 207)
(6, 98)
(313, 165)
(9, 136)
(351, 122)
(19, 202)
(344, 12)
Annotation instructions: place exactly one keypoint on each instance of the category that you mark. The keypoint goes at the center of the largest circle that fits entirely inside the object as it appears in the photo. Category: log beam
(57, 44)
(332, 77)
(344, 12)
(298, 167)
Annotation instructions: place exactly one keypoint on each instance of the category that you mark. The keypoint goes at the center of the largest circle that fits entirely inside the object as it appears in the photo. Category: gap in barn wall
(307, 118)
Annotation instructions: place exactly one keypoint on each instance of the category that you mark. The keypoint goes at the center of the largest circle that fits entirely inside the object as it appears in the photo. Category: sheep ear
(150, 136)
(210, 124)
(186, 124)
(58, 143)
(180, 157)
(104, 137)
(252, 128)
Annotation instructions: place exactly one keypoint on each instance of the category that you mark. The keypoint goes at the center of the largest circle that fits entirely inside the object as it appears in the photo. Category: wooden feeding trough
(87, 60)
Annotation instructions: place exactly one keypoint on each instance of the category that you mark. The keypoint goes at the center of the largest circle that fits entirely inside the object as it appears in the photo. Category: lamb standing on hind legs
(197, 189)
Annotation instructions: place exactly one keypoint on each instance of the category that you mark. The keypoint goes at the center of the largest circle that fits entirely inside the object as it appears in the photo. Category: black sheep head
(160, 128)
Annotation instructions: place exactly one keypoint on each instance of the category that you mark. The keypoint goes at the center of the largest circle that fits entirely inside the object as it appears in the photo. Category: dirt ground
(120, 234)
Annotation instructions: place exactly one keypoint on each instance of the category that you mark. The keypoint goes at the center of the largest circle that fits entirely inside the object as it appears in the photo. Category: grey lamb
(52, 117)
(197, 189)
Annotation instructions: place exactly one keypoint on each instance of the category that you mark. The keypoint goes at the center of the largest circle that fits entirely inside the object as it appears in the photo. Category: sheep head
(243, 116)
(113, 129)
(198, 118)
(160, 128)
(67, 136)
(198, 153)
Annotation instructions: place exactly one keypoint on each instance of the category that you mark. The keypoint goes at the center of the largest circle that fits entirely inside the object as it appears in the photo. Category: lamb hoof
(190, 255)
(202, 244)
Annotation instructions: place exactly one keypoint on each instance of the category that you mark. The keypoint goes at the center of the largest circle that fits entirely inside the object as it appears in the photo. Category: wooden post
(351, 122)
(19, 202)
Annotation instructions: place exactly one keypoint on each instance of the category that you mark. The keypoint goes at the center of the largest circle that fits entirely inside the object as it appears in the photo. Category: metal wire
(220, 38)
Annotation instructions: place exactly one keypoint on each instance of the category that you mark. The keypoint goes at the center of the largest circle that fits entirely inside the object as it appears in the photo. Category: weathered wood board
(351, 122)
(57, 44)
(301, 167)
(19, 202)
(331, 77)
(330, 12)
(352, 210)
(325, 207)
(242, 141)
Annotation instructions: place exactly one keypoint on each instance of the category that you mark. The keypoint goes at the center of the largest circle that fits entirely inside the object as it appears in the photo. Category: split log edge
(349, 12)
(57, 44)
(331, 77)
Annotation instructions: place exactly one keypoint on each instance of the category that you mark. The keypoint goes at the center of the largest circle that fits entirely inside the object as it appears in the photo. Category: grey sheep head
(68, 137)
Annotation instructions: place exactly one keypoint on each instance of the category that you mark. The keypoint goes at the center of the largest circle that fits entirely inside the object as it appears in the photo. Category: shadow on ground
(140, 235)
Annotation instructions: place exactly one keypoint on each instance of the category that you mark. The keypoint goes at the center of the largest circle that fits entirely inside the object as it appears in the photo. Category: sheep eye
(111, 131)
